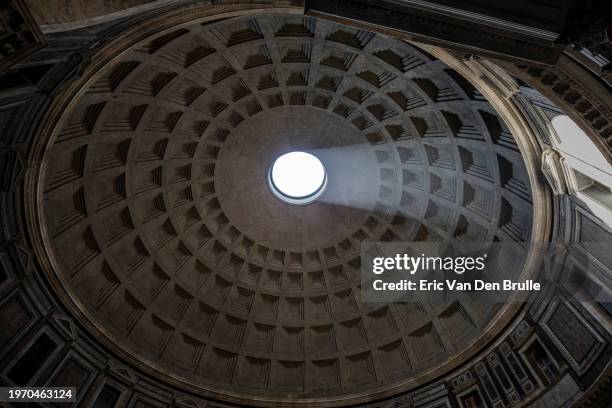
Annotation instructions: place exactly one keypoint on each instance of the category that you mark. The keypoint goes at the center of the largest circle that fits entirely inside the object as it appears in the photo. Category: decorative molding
(591, 354)
(478, 18)
(554, 172)
(461, 31)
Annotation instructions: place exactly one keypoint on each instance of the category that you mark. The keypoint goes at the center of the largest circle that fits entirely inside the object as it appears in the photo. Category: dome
(166, 234)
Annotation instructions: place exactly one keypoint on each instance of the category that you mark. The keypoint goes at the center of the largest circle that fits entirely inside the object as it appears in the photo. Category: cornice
(445, 30)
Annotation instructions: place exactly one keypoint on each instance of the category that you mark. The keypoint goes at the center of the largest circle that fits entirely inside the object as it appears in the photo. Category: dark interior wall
(64, 11)
(19, 33)
(547, 14)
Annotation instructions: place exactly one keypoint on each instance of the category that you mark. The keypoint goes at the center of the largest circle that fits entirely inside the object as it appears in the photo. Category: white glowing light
(297, 177)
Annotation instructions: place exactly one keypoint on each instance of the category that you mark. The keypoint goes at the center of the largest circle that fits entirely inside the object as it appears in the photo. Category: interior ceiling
(158, 213)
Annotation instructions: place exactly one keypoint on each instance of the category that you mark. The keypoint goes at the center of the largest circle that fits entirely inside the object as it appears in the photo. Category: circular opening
(297, 178)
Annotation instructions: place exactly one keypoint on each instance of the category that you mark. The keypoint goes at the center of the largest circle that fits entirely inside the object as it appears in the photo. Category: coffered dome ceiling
(165, 233)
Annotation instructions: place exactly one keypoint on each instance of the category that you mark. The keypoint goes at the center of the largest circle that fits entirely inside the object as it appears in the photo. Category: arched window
(573, 141)
(588, 173)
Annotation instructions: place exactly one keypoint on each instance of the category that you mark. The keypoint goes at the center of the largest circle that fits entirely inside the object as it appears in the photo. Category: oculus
(297, 178)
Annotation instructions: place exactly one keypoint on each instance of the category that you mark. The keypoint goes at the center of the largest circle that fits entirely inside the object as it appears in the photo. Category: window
(588, 173)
